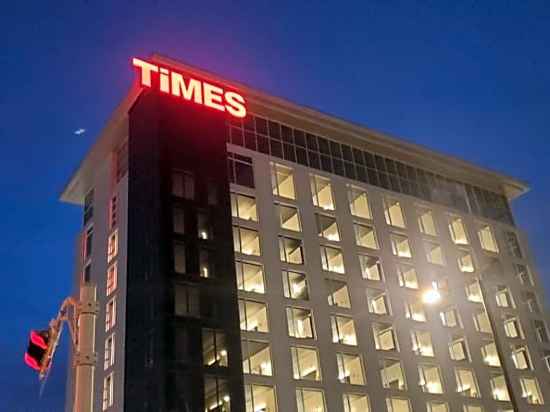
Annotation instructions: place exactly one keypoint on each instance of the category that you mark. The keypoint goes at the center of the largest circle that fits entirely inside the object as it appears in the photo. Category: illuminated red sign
(198, 91)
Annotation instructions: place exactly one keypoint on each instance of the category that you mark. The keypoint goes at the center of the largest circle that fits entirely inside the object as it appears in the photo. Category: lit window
(436, 406)
(434, 253)
(183, 185)
(473, 408)
(214, 348)
(473, 291)
(393, 376)
(512, 327)
(365, 236)
(310, 400)
(530, 301)
(289, 218)
(88, 242)
(512, 244)
(305, 363)
(295, 285)
(540, 330)
(290, 250)
(246, 241)
(466, 383)
(465, 261)
(109, 357)
(521, 358)
(530, 390)
(111, 278)
(407, 276)
(108, 391)
(253, 316)
(113, 206)
(327, 227)
(458, 349)
(354, 402)
(216, 394)
(359, 203)
(400, 245)
(250, 277)
(186, 301)
(282, 181)
(338, 294)
(371, 267)
(384, 336)
(450, 318)
(332, 259)
(523, 274)
(178, 220)
(350, 368)
(256, 357)
(321, 191)
(398, 405)
(393, 213)
(415, 311)
(378, 302)
(244, 207)
(422, 343)
(490, 354)
(426, 221)
(300, 323)
(260, 398)
(487, 239)
(430, 379)
(110, 314)
(343, 330)
(112, 246)
(482, 323)
(206, 263)
(457, 229)
(499, 389)
(504, 297)
(179, 257)
(204, 228)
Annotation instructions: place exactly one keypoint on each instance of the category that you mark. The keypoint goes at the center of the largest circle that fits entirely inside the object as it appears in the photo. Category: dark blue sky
(469, 78)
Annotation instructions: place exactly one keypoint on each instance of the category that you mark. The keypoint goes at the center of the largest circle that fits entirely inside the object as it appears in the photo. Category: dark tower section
(181, 292)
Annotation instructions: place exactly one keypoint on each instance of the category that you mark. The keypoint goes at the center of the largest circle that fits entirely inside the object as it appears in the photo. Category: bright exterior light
(431, 296)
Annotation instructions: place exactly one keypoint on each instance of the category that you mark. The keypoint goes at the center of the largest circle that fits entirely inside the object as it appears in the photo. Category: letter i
(164, 81)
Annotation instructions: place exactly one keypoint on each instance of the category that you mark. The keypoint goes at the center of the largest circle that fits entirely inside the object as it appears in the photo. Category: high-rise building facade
(254, 255)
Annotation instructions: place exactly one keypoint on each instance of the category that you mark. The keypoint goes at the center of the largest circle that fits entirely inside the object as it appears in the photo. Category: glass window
(244, 207)
(111, 278)
(310, 400)
(430, 379)
(321, 191)
(108, 391)
(504, 297)
(407, 276)
(415, 311)
(183, 184)
(398, 405)
(393, 212)
(392, 374)
(520, 357)
(291, 250)
(473, 408)
(466, 383)
(260, 398)
(282, 181)
(88, 242)
(327, 227)
(186, 300)
(214, 348)
(178, 221)
(338, 294)
(434, 253)
(216, 394)
(109, 357)
(540, 330)
(422, 343)
(365, 236)
(482, 323)
(457, 229)
(250, 277)
(204, 228)
(300, 323)
(450, 318)
(350, 368)
(305, 363)
(546, 358)
(426, 221)
(289, 218)
(437, 406)
(112, 246)
(512, 244)
(378, 301)
(523, 274)
(487, 239)
(465, 261)
(343, 330)
(354, 402)
(332, 259)
(384, 336)
(530, 390)
(253, 316)
(512, 327)
(246, 241)
(359, 203)
(295, 285)
(400, 245)
(473, 291)
(256, 357)
(206, 263)
(490, 354)
(458, 349)
(371, 268)
(110, 314)
(179, 257)
(530, 301)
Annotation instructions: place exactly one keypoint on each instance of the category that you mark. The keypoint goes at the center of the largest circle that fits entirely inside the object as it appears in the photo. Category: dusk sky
(470, 79)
